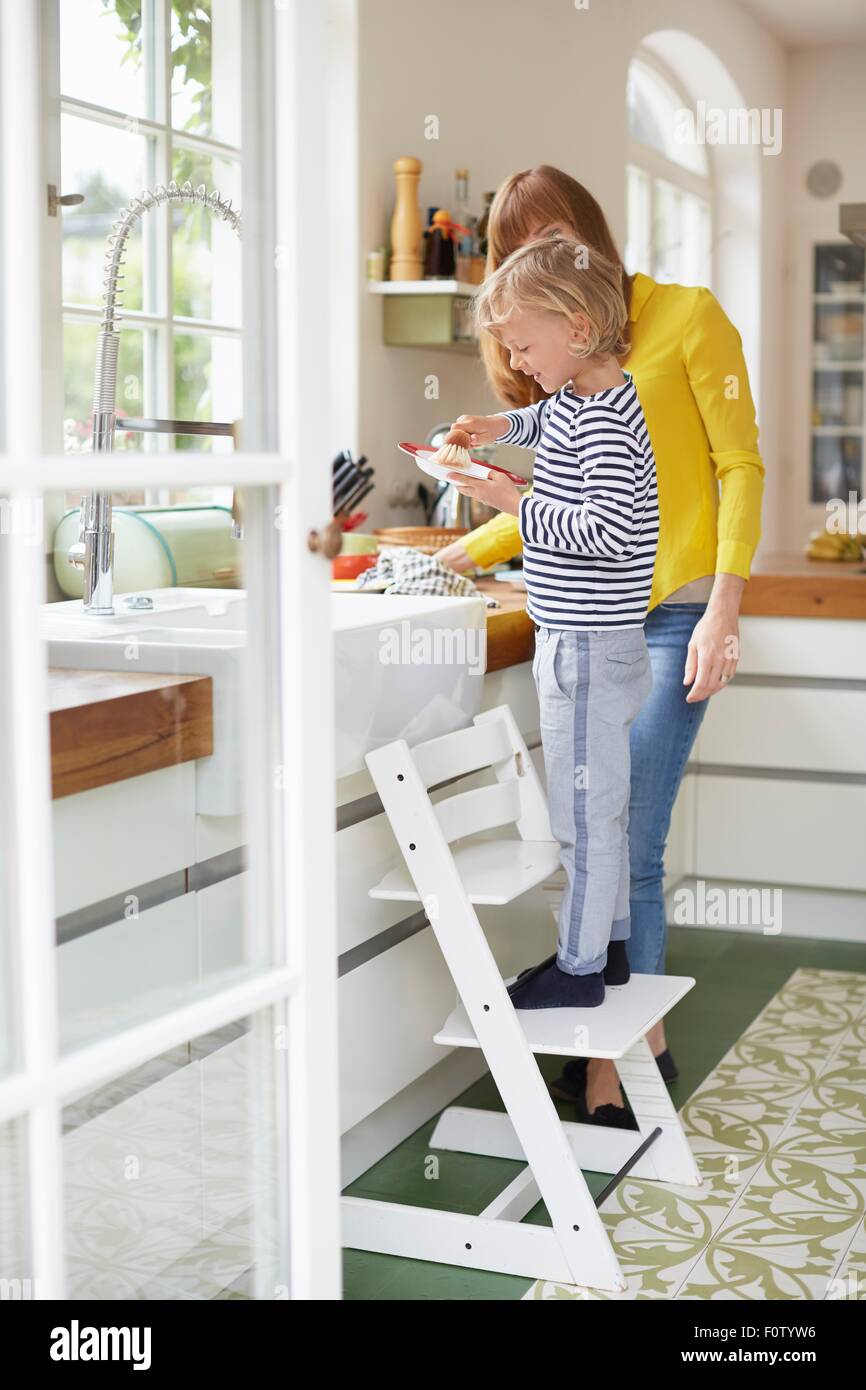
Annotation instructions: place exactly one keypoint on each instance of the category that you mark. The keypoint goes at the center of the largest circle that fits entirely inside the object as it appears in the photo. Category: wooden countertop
(110, 725)
(781, 586)
(790, 586)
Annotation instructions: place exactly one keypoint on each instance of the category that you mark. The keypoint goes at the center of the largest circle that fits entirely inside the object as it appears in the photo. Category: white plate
(440, 471)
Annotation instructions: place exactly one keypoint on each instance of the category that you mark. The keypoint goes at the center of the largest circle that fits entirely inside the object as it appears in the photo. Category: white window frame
(287, 397)
(657, 167)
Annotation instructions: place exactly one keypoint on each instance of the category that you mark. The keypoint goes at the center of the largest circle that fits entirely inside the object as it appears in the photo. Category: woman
(686, 359)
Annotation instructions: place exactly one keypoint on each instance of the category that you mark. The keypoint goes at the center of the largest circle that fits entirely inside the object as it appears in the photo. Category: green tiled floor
(737, 975)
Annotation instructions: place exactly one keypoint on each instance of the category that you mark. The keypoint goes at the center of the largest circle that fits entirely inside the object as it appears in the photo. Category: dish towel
(400, 569)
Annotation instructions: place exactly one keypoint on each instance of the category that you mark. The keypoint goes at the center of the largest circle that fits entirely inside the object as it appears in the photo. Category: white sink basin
(175, 608)
(404, 667)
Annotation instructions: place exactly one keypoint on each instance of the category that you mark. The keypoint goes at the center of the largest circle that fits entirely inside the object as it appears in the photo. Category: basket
(427, 539)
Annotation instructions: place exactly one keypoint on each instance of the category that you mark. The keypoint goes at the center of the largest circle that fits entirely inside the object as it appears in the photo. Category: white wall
(512, 86)
(826, 119)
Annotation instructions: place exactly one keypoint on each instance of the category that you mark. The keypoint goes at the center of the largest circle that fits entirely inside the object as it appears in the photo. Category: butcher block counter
(107, 726)
(781, 586)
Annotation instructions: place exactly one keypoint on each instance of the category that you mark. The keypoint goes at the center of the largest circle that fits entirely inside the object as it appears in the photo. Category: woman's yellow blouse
(687, 362)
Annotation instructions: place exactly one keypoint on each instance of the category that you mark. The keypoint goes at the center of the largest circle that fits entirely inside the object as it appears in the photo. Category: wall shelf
(427, 314)
(400, 287)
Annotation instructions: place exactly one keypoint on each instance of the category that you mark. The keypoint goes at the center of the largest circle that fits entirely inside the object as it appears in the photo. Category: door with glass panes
(168, 1123)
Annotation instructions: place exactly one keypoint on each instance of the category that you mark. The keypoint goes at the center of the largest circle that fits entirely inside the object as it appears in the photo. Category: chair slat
(466, 750)
(479, 809)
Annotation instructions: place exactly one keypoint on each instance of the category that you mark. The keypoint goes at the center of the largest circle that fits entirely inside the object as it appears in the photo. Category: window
(668, 185)
(150, 92)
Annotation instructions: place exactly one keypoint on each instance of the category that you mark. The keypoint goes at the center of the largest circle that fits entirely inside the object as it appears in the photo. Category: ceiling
(808, 24)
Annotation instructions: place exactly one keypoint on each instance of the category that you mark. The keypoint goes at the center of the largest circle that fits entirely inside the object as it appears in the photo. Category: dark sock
(617, 970)
(548, 987)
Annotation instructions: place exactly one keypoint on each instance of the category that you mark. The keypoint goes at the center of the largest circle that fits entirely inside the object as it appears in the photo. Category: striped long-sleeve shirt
(590, 527)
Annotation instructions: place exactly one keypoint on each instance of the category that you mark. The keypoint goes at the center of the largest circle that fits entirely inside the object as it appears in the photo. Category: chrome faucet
(94, 551)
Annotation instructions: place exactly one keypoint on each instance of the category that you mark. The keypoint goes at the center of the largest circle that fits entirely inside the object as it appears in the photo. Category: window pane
(109, 167)
(206, 69)
(667, 231)
(208, 385)
(695, 268)
(101, 54)
(79, 362)
(176, 1173)
(655, 118)
(15, 1262)
(638, 247)
(167, 897)
(206, 251)
(681, 236)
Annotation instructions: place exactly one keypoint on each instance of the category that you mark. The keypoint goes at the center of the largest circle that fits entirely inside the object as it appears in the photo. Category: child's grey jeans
(591, 686)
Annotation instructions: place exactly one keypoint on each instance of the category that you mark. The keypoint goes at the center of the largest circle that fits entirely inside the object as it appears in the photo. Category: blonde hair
(558, 275)
(527, 200)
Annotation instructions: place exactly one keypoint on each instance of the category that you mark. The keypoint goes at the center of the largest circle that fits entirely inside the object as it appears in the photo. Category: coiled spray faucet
(94, 551)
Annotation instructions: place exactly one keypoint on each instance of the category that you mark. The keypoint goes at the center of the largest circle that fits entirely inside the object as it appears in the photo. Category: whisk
(454, 452)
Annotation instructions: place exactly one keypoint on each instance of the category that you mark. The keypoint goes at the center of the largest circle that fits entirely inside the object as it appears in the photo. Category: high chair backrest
(492, 741)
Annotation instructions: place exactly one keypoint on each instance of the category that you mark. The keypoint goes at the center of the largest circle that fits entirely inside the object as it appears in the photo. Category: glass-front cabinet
(838, 356)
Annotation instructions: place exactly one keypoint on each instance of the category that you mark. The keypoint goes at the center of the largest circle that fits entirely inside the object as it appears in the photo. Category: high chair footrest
(494, 872)
(610, 1030)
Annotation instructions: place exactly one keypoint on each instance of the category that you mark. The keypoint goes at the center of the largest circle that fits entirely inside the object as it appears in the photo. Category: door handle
(329, 542)
(67, 200)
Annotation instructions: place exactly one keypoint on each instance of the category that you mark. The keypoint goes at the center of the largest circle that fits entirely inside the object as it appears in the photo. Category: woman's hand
(714, 648)
(496, 490)
(455, 557)
(482, 429)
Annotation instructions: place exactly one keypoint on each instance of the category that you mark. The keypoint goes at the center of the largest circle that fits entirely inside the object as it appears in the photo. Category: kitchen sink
(404, 666)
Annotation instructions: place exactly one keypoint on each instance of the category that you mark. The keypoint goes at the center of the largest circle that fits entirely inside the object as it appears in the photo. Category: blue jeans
(662, 737)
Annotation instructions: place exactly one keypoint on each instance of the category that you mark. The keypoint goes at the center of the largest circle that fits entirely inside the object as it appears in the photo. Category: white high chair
(448, 881)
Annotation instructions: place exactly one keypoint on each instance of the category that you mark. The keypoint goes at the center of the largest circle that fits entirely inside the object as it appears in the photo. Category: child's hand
(482, 429)
(496, 490)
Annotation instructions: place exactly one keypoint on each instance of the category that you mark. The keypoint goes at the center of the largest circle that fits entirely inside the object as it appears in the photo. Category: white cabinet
(123, 972)
(113, 839)
(779, 773)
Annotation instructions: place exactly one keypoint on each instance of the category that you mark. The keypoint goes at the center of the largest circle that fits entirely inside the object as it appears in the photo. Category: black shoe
(667, 1065)
(568, 1085)
(609, 1116)
(573, 1078)
(617, 971)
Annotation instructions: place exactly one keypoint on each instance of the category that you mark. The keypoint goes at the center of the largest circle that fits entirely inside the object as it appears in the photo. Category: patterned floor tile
(779, 1132)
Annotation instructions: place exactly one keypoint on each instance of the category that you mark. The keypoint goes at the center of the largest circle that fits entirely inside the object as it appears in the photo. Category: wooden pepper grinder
(406, 262)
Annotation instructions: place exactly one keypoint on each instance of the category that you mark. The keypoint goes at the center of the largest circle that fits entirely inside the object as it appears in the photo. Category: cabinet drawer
(780, 831)
(114, 838)
(786, 727)
(131, 969)
(828, 647)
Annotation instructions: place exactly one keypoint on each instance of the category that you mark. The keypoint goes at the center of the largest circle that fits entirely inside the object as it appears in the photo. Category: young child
(589, 530)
